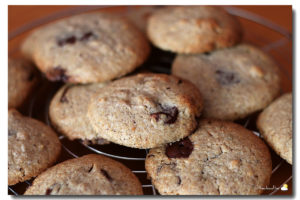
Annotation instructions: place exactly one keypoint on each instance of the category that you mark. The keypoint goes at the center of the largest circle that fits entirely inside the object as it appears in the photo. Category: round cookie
(145, 110)
(275, 125)
(68, 110)
(220, 158)
(32, 147)
(86, 48)
(193, 29)
(22, 77)
(234, 82)
(88, 175)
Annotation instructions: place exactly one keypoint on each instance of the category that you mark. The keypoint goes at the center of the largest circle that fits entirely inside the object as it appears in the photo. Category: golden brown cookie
(220, 158)
(94, 47)
(32, 147)
(275, 124)
(88, 175)
(193, 29)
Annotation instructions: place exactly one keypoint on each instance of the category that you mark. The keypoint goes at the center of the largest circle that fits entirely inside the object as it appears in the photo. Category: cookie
(193, 29)
(68, 110)
(22, 77)
(146, 110)
(275, 125)
(88, 175)
(220, 158)
(32, 147)
(94, 47)
(234, 82)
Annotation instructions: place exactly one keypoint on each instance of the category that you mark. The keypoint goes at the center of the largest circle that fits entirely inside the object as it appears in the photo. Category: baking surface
(263, 26)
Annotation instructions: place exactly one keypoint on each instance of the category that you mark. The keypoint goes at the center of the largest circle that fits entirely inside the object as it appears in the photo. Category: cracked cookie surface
(22, 78)
(88, 175)
(220, 158)
(32, 147)
(275, 124)
(94, 47)
(146, 110)
(193, 29)
(234, 82)
(68, 112)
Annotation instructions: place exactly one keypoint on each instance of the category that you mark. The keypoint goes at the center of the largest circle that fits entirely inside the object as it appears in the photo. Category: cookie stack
(184, 117)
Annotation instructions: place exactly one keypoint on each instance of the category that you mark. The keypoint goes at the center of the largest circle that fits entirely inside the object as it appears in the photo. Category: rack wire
(161, 65)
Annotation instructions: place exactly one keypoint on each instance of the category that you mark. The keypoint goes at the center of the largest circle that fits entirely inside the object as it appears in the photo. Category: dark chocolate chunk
(226, 77)
(179, 180)
(48, 191)
(86, 36)
(63, 98)
(180, 149)
(170, 112)
(104, 172)
(57, 74)
(179, 82)
(31, 76)
(69, 40)
(91, 168)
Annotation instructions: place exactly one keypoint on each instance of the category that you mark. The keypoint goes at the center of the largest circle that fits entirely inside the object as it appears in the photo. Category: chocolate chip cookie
(234, 82)
(193, 29)
(32, 147)
(87, 175)
(68, 110)
(94, 47)
(275, 125)
(146, 110)
(22, 78)
(220, 158)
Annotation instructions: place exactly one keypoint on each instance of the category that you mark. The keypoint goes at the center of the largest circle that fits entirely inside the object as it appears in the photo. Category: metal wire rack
(159, 62)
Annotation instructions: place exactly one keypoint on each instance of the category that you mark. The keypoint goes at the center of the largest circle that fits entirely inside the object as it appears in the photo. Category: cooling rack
(160, 62)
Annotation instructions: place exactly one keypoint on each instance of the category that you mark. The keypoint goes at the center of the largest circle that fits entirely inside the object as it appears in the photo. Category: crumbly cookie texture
(193, 29)
(234, 82)
(68, 112)
(22, 78)
(94, 47)
(220, 158)
(275, 125)
(32, 147)
(88, 175)
(146, 110)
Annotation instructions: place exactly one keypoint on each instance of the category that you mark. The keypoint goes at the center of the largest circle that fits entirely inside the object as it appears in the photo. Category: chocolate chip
(207, 53)
(86, 36)
(48, 191)
(107, 176)
(69, 40)
(63, 98)
(226, 77)
(179, 180)
(57, 74)
(91, 168)
(150, 155)
(179, 82)
(170, 112)
(180, 149)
